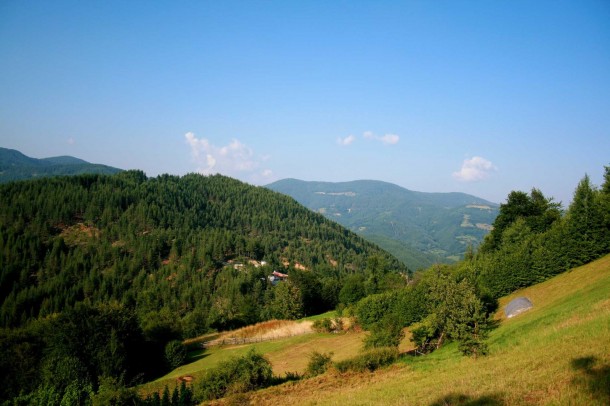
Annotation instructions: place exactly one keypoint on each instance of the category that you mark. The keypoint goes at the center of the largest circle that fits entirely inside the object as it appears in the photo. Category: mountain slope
(186, 245)
(557, 353)
(16, 166)
(418, 228)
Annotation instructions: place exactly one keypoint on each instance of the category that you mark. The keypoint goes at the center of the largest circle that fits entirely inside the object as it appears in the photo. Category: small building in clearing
(277, 277)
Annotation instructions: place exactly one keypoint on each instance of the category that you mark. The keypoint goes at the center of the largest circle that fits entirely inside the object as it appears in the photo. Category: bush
(175, 354)
(339, 325)
(112, 391)
(318, 363)
(236, 375)
(374, 307)
(386, 333)
(323, 326)
(369, 360)
(327, 325)
(425, 337)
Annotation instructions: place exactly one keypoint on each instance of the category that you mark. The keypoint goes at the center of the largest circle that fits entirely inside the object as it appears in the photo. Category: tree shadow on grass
(457, 399)
(195, 356)
(594, 376)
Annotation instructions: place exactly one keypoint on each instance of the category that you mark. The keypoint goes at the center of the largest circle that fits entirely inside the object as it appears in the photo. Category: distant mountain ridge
(14, 165)
(418, 228)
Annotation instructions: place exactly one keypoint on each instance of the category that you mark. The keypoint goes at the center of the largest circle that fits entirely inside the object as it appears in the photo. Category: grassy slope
(556, 353)
(286, 355)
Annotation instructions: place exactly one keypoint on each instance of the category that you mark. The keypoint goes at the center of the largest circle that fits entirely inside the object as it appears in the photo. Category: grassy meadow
(556, 353)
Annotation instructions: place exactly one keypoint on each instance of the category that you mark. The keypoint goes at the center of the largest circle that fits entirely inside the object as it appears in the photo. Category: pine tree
(585, 224)
(165, 398)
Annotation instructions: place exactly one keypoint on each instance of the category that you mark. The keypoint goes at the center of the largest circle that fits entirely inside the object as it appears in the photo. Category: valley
(418, 228)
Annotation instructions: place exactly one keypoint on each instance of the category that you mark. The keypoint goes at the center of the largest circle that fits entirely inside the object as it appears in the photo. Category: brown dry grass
(266, 330)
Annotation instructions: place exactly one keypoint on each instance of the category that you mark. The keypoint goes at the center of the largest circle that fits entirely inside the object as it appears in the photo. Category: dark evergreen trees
(114, 265)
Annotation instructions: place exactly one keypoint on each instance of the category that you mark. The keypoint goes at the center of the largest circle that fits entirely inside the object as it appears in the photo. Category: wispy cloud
(235, 159)
(346, 141)
(388, 139)
(71, 141)
(474, 169)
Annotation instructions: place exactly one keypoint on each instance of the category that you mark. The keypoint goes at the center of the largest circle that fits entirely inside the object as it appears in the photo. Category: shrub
(113, 391)
(175, 354)
(338, 324)
(323, 325)
(374, 307)
(424, 336)
(369, 360)
(386, 333)
(318, 363)
(236, 375)
(328, 326)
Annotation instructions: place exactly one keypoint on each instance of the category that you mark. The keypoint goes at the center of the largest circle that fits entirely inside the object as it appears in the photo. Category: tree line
(533, 239)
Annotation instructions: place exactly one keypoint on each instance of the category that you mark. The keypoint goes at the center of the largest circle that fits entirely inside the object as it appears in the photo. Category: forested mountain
(165, 243)
(130, 262)
(418, 228)
(16, 166)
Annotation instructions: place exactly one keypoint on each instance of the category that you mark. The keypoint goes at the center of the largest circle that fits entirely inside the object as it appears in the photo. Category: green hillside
(556, 353)
(99, 273)
(16, 166)
(129, 238)
(418, 228)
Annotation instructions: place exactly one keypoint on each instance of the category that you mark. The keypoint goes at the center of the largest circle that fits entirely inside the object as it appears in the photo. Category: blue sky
(482, 97)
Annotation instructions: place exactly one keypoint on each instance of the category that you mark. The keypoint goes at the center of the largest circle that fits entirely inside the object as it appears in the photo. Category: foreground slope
(418, 228)
(556, 353)
(16, 166)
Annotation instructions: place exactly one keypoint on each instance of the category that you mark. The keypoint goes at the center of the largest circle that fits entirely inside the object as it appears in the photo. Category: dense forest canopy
(129, 263)
(163, 244)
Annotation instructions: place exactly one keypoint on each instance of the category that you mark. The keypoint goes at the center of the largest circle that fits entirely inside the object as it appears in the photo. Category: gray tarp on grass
(517, 306)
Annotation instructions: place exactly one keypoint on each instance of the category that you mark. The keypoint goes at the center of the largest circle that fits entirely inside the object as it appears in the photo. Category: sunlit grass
(556, 353)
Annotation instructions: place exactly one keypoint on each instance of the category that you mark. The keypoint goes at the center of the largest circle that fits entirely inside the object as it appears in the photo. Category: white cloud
(71, 141)
(388, 139)
(235, 159)
(474, 169)
(346, 141)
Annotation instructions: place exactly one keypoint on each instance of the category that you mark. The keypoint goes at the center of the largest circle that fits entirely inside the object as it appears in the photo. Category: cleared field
(289, 354)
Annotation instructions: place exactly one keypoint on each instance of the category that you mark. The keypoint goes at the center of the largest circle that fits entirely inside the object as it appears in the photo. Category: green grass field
(556, 353)
(286, 355)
